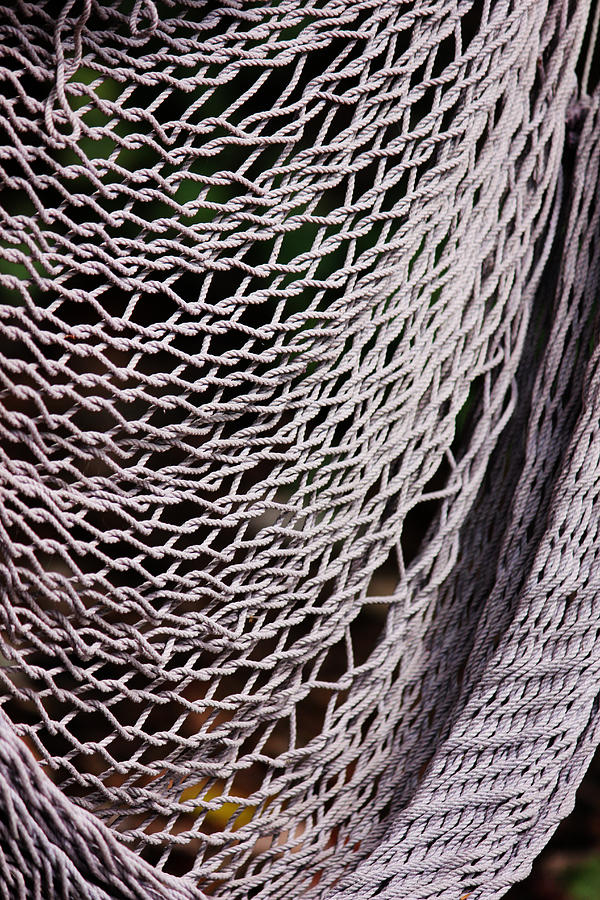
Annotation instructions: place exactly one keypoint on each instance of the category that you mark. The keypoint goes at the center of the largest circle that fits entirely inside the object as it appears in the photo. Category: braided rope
(298, 393)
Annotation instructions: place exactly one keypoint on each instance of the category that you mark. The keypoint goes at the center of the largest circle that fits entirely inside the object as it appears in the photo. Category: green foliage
(582, 881)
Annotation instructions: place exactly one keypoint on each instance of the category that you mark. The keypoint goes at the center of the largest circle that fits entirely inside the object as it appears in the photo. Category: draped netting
(299, 444)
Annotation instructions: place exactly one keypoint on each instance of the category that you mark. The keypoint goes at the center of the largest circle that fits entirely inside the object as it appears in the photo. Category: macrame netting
(299, 444)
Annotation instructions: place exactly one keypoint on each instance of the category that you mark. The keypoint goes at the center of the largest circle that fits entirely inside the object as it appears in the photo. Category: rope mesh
(298, 444)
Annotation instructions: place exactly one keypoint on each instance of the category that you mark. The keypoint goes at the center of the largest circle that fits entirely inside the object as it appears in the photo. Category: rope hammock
(299, 444)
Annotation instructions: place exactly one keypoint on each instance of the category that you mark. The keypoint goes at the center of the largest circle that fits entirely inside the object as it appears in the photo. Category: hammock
(299, 444)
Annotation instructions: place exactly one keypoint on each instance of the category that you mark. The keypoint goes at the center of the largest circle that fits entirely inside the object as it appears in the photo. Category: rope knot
(57, 105)
(58, 113)
(143, 9)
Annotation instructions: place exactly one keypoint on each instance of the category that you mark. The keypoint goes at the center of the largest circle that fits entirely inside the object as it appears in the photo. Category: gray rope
(298, 489)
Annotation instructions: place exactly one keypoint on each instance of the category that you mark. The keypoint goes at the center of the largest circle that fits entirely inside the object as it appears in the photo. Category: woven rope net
(299, 444)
